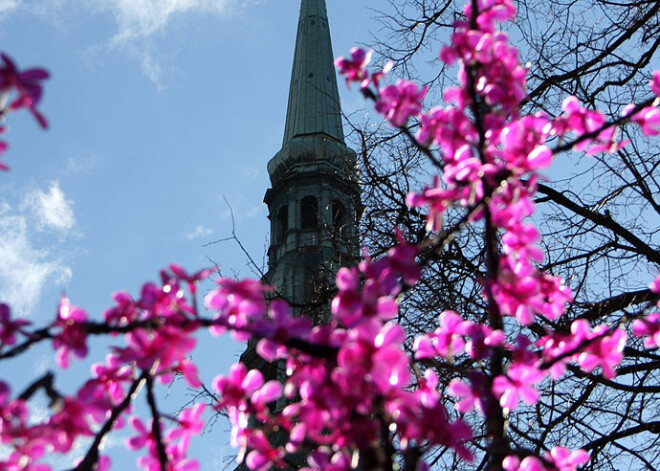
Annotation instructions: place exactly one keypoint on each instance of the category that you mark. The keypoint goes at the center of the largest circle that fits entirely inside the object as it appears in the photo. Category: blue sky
(159, 110)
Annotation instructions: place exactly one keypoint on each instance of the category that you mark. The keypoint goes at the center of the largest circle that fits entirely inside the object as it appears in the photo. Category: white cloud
(137, 22)
(26, 268)
(142, 18)
(80, 165)
(198, 232)
(7, 6)
(52, 209)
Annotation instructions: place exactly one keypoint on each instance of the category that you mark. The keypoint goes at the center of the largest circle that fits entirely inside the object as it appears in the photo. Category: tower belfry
(314, 199)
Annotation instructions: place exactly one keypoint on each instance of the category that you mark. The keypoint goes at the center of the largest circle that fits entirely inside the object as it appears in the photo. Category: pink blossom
(400, 102)
(144, 434)
(277, 328)
(354, 69)
(482, 339)
(655, 83)
(163, 349)
(3, 147)
(523, 144)
(375, 354)
(564, 459)
(188, 370)
(648, 327)
(490, 11)
(518, 384)
(382, 283)
(529, 463)
(427, 389)
(499, 76)
(390, 364)
(72, 336)
(555, 346)
(446, 341)
(8, 327)
(428, 421)
(238, 304)
(189, 424)
(243, 389)
(347, 305)
(648, 119)
(25, 460)
(560, 459)
(104, 463)
(262, 455)
(449, 128)
(578, 119)
(602, 349)
(438, 199)
(108, 380)
(68, 424)
(176, 460)
(326, 460)
(470, 394)
(125, 312)
(191, 279)
(654, 286)
(27, 84)
(401, 258)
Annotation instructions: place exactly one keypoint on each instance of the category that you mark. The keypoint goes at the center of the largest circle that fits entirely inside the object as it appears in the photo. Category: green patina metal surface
(313, 96)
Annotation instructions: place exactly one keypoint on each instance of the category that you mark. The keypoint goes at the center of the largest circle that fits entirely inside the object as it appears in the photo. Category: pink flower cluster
(175, 441)
(73, 418)
(354, 69)
(400, 101)
(157, 329)
(19, 90)
(397, 102)
(376, 299)
(649, 326)
(559, 458)
(330, 397)
(594, 136)
(483, 166)
(10, 328)
(71, 335)
(348, 389)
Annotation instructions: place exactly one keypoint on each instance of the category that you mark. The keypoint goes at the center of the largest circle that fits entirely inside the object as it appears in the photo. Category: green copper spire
(313, 96)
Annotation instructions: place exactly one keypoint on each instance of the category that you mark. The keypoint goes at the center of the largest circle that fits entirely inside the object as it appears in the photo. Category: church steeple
(314, 199)
(313, 96)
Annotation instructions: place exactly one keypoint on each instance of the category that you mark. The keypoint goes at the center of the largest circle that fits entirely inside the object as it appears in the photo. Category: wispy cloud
(138, 22)
(142, 18)
(51, 208)
(7, 6)
(26, 267)
(80, 165)
(198, 232)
